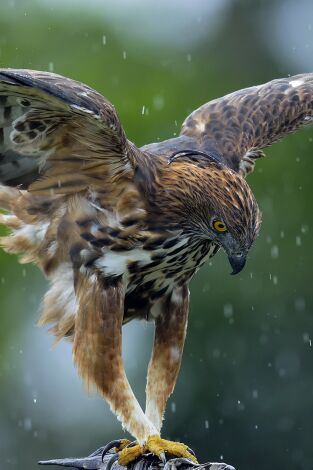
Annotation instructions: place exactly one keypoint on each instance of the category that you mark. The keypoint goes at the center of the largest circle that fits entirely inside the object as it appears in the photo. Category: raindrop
(274, 251)
(173, 407)
(206, 424)
(158, 102)
(241, 406)
(51, 66)
(104, 40)
(298, 240)
(188, 57)
(124, 55)
(143, 110)
(228, 310)
(255, 394)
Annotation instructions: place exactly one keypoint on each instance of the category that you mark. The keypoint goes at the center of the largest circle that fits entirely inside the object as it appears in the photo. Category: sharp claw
(109, 446)
(191, 451)
(162, 457)
(112, 461)
(97, 452)
(131, 444)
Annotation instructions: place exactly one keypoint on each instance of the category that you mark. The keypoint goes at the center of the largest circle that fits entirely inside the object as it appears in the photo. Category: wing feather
(58, 134)
(241, 124)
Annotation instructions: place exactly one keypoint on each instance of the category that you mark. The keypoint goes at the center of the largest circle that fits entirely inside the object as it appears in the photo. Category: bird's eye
(219, 226)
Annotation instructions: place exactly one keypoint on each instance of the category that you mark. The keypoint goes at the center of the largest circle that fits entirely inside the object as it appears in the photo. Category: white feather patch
(116, 263)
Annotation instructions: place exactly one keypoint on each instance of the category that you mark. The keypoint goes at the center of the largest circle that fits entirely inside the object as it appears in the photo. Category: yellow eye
(219, 226)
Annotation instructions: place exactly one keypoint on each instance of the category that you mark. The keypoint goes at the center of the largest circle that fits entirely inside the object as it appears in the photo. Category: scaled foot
(156, 446)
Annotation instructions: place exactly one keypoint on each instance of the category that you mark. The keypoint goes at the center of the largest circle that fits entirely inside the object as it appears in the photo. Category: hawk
(120, 231)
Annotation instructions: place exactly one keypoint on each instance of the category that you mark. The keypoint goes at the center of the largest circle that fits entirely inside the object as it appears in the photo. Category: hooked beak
(237, 262)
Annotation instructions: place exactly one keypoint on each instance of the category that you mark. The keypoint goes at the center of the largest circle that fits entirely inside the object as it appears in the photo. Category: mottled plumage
(120, 231)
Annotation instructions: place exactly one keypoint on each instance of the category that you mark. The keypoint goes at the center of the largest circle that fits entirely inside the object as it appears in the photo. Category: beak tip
(237, 262)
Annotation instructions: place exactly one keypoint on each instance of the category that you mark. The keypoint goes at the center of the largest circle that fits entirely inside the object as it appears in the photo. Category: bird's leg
(98, 351)
(170, 333)
(169, 338)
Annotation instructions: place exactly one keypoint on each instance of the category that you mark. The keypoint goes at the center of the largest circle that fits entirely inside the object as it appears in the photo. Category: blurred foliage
(245, 391)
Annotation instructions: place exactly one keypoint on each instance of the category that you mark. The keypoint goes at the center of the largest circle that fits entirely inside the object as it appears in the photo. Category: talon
(191, 451)
(112, 461)
(109, 446)
(123, 443)
(156, 446)
(97, 452)
(159, 447)
(119, 444)
(130, 444)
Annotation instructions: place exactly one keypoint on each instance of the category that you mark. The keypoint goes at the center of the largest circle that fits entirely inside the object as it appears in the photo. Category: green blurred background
(245, 392)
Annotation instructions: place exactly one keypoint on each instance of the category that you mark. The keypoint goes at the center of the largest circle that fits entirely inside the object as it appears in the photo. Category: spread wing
(241, 124)
(58, 135)
(236, 127)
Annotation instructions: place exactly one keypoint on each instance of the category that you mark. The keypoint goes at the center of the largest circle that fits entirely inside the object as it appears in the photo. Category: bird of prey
(120, 231)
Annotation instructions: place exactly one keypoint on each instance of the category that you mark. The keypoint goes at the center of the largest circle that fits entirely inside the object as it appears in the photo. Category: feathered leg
(170, 333)
(98, 349)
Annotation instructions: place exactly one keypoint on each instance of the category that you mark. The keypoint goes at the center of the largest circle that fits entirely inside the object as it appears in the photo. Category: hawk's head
(214, 202)
(233, 217)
